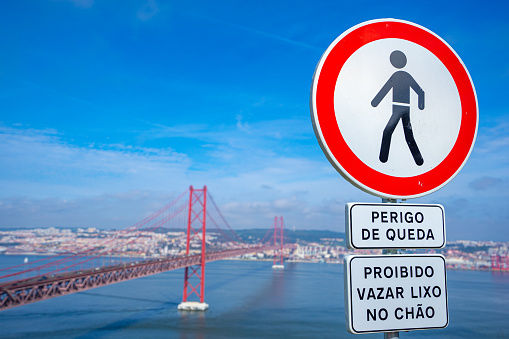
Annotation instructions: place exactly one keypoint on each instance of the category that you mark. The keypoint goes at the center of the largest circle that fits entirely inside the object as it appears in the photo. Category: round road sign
(394, 108)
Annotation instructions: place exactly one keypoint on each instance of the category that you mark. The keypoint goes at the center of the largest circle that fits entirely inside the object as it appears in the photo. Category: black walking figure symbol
(400, 83)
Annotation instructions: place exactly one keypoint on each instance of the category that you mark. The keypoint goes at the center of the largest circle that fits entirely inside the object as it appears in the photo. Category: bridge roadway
(22, 292)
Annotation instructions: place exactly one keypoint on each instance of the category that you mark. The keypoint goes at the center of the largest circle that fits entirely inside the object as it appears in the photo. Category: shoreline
(330, 262)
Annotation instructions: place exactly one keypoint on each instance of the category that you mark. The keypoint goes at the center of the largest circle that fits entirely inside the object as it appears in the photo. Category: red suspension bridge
(104, 261)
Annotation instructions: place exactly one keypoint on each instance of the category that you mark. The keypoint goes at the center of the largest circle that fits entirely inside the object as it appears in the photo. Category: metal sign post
(390, 335)
(372, 77)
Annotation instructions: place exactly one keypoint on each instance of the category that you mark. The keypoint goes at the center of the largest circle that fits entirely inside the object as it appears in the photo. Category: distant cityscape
(311, 246)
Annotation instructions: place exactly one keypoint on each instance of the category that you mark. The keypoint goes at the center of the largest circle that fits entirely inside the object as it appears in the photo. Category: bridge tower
(278, 230)
(194, 279)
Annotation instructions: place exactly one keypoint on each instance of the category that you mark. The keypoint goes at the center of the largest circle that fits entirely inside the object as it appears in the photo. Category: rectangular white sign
(386, 293)
(384, 225)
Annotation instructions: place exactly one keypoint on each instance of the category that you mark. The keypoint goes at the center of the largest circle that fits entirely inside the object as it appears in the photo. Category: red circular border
(382, 184)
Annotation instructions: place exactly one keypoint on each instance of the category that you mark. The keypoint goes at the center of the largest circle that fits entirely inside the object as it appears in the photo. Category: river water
(247, 300)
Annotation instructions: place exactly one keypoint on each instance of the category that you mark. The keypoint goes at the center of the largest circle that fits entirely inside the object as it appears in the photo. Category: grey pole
(390, 335)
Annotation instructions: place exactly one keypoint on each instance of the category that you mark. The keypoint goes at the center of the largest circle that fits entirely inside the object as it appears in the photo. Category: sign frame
(353, 241)
(355, 327)
(331, 140)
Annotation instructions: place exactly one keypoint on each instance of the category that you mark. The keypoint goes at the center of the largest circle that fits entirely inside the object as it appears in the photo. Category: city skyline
(109, 110)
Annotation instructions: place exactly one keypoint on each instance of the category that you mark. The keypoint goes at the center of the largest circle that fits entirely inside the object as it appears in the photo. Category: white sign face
(394, 108)
(394, 225)
(386, 293)
(369, 68)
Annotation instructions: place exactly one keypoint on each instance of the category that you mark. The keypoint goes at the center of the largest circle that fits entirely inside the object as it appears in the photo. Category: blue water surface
(247, 300)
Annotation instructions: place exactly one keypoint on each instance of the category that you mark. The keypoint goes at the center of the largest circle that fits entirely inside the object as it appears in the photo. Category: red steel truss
(194, 278)
(24, 292)
(278, 228)
(499, 262)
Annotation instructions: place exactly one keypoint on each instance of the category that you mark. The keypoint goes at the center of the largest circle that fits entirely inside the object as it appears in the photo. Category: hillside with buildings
(311, 245)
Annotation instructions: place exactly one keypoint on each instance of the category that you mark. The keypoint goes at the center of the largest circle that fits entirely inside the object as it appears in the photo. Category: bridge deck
(22, 292)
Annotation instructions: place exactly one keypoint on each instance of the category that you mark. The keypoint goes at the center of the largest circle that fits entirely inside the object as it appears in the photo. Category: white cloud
(44, 174)
(255, 172)
(41, 164)
(119, 210)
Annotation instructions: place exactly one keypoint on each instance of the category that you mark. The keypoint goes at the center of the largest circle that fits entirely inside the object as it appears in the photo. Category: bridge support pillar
(278, 231)
(194, 279)
(193, 306)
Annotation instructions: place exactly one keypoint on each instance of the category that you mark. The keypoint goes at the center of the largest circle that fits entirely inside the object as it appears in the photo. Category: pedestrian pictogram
(394, 109)
(400, 83)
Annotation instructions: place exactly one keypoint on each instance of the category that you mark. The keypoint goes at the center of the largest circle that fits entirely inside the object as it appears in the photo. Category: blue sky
(108, 109)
